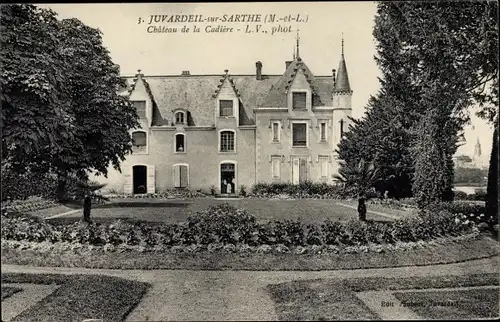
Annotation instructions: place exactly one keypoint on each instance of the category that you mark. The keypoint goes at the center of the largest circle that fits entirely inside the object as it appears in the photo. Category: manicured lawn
(335, 299)
(81, 297)
(9, 291)
(453, 305)
(437, 254)
(154, 210)
(47, 212)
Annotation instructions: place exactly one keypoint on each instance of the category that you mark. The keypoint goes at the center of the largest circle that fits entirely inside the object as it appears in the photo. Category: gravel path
(237, 295)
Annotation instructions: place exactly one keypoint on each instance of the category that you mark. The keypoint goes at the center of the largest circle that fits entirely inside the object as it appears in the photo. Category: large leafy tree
(35, 108)
(382, 137)
(443, 57)
(76, 122)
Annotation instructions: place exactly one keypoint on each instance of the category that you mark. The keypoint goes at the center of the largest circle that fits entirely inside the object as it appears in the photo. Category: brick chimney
(258, 70)
(287, 64)
(185, 73)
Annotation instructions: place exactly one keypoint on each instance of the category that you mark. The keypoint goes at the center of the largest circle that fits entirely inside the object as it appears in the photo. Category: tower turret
(342, 94)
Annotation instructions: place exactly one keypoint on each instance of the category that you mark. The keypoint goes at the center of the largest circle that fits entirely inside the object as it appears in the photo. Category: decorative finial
(298, 38)
(226, 71)
(342, 44)
(138, 71)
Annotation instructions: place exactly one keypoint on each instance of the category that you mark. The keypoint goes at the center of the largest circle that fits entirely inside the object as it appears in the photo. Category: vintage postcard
(249, 161)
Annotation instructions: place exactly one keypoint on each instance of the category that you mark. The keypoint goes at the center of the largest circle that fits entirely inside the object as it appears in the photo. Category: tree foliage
(437, 60)
(358, 179)
(382, 137)
(61, 110)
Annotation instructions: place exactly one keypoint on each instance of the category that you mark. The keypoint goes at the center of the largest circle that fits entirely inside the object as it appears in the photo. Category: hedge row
(302, 190)
(225, 224)
(167, 194)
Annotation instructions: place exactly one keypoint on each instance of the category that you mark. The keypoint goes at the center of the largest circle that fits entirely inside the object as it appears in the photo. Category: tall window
(276, 131)
(227, 141)
(323, 131)
(180, 143)
(226, 107)
(140, 106)
(323, 163)
(299, 101)
(299, 133)
(139, 141)
(341, 128)
(180, 118)
(276, 167)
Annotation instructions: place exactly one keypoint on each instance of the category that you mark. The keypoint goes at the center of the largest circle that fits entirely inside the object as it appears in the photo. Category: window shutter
(324, 166)
(276, 167)
(183, 176)
(151, 179)
(177, 176)
(127, 188)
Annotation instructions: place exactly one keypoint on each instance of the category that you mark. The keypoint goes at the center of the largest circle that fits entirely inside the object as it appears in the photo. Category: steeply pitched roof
(342, 79)
(196, 93)
(321, 91)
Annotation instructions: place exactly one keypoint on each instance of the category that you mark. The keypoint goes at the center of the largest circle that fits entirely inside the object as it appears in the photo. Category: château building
(227, 131)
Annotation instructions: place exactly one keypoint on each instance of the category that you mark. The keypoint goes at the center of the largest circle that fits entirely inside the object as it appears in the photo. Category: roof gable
(277, 96)
(226, 86)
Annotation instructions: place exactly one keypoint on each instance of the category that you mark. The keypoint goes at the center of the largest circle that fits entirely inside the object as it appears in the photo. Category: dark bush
(222, 223)
(303, 189)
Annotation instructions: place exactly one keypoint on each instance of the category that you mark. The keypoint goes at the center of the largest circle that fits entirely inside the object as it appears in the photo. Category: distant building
(477, 160)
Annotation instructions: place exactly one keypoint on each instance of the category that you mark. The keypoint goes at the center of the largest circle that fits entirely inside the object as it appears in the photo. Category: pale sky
(133, 48)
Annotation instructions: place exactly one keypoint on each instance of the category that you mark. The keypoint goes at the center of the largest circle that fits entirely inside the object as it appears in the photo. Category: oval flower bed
(224, 228)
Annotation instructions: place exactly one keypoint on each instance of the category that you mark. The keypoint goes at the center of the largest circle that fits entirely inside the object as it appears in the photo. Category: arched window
(139, 141)
(180, 143)
(180, 117)
(341, 128)
(226, 141)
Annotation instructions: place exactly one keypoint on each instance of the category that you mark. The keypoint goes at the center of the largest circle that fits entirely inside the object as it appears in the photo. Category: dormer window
(226, 108)
(299, 100)
(180, 117)
(140, 106)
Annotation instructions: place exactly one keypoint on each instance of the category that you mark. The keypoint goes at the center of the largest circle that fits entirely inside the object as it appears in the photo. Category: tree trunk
(87, 207)
(361, 209)
(492, 188)
(62, 178)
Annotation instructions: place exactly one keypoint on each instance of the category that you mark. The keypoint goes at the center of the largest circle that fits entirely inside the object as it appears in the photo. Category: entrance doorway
(140, 178)
(299, 169)
(227, 178)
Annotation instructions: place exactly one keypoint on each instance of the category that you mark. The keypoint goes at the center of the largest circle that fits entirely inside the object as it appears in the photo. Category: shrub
(460, 195)
(314, 235)
(289, 232)
(475, 212)
(223, 223)
(303, 189)
(332, 232)
(243, 191)
(213, 190)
